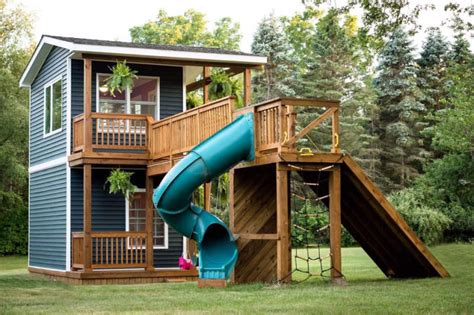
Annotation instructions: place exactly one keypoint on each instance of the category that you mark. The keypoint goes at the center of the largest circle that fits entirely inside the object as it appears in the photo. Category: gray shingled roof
(97, 42)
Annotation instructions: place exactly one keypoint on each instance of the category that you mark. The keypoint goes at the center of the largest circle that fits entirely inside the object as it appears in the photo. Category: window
(142, 99)
(137, 220)
(52, 107)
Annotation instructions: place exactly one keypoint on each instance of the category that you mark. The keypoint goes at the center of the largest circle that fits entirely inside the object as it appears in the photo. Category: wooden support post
(207, 196)
(335, 132)
(283, 243)
(205, 93)
(247, 87)
(149, 223)
(87, 105)
(335, 222)
(87, 217)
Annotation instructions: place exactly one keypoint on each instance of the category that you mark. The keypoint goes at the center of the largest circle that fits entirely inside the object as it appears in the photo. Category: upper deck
(120, 139)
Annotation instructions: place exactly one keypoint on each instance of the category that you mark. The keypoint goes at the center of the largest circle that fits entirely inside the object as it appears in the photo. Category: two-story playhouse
(79, 132)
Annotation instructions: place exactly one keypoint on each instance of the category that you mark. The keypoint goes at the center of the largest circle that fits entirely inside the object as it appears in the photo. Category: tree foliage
(15, 37)
(190, 29)
(398, 98)
(277, 78)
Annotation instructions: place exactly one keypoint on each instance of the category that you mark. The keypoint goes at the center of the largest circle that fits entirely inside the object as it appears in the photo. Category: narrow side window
(52, 107)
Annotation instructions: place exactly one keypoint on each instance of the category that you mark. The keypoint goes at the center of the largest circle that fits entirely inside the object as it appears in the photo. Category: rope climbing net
(310, 227)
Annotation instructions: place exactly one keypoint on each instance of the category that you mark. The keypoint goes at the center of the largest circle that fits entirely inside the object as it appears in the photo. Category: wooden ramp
(379, 228)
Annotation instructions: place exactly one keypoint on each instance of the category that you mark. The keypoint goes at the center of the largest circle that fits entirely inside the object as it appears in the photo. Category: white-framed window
(53, 106)
(143, 98)
(136, 220)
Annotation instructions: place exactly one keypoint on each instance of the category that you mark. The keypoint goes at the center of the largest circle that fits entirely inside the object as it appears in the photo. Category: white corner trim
(185, 247)
(49, 164)
(68, 168)
(29, 177)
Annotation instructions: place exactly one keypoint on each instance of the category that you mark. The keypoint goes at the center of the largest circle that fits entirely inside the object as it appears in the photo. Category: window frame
(50, 84)
(127, 224)
(128, 101)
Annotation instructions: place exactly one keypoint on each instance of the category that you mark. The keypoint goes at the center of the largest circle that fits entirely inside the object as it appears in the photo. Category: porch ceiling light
(103, 88)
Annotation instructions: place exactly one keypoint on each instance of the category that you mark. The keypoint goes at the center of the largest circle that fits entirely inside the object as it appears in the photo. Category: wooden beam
(205, 93)
(335, 132)
(212, 283)
(87, 105)
(310, 126)
(258, 236)
(87, 217)
(247, 87)
(149, 223)
(199, 84)
(158, 61)
(335, 222)
(283, 243)
(207, 196)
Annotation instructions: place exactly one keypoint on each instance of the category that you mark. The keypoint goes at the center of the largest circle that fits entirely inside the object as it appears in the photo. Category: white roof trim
(47, 43)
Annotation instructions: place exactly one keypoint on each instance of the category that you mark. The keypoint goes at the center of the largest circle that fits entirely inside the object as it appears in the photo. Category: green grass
(367, 291)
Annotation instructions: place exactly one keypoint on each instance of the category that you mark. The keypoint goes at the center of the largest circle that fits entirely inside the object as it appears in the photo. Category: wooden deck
(119, 276)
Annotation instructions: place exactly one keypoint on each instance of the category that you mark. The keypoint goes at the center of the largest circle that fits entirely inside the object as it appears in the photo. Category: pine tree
(398, 98)
(277, 78)
(432, 81)
(336, 71)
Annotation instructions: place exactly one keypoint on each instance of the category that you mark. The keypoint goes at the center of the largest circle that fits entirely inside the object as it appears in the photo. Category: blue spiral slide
(172, 198)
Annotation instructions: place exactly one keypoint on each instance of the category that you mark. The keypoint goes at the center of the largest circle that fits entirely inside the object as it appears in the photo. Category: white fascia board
(46, 43)
(171, 54)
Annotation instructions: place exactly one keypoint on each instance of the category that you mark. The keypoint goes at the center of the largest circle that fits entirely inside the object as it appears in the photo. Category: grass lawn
(367, 291)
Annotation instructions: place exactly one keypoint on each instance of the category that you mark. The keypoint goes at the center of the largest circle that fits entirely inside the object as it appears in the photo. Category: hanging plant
(120, 182)
(121, 78)
(222, 85)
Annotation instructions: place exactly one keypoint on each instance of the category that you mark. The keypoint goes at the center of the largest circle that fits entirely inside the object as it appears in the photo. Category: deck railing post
(335, 132)
(247, 87)
(283, 217)
(87, 214)
(87, 105)
(335, 222)
(149, 224)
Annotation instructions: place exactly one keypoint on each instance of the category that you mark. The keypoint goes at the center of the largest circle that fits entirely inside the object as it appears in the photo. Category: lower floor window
(137, 220)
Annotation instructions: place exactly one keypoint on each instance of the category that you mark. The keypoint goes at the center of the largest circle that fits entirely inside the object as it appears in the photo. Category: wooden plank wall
(253, 211)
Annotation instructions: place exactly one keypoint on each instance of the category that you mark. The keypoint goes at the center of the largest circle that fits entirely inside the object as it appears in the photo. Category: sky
(111, 19)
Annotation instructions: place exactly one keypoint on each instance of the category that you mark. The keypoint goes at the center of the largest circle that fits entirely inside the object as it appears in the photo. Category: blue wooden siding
(171, 85)
(108, 212)
(47, 247)
(43, 148)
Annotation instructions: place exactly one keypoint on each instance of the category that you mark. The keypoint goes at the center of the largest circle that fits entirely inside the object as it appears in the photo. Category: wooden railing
(111, 250)
(180, 133)
(276, 122)
(78, 133)
(112, 132)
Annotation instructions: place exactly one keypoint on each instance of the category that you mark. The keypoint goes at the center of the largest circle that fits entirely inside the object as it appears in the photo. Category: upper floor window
(142, 99)
(52, 107)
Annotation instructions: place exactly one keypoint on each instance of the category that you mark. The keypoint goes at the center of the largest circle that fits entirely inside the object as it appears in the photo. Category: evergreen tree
(276, 79)
(336, 71)
(432, 80)
(400, 110)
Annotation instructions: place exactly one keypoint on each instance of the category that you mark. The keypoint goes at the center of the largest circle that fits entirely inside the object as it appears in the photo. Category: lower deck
(119, 276)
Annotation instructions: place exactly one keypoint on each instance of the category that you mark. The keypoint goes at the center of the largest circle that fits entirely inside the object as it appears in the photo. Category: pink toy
(185, 264)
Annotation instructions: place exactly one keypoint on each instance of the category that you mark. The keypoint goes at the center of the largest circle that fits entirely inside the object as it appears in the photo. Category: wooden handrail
(326, 115)
(175, 135)
(189, 112)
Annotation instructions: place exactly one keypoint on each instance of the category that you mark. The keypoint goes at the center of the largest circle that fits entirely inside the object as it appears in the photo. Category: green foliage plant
(121, 78)
(120, 182)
